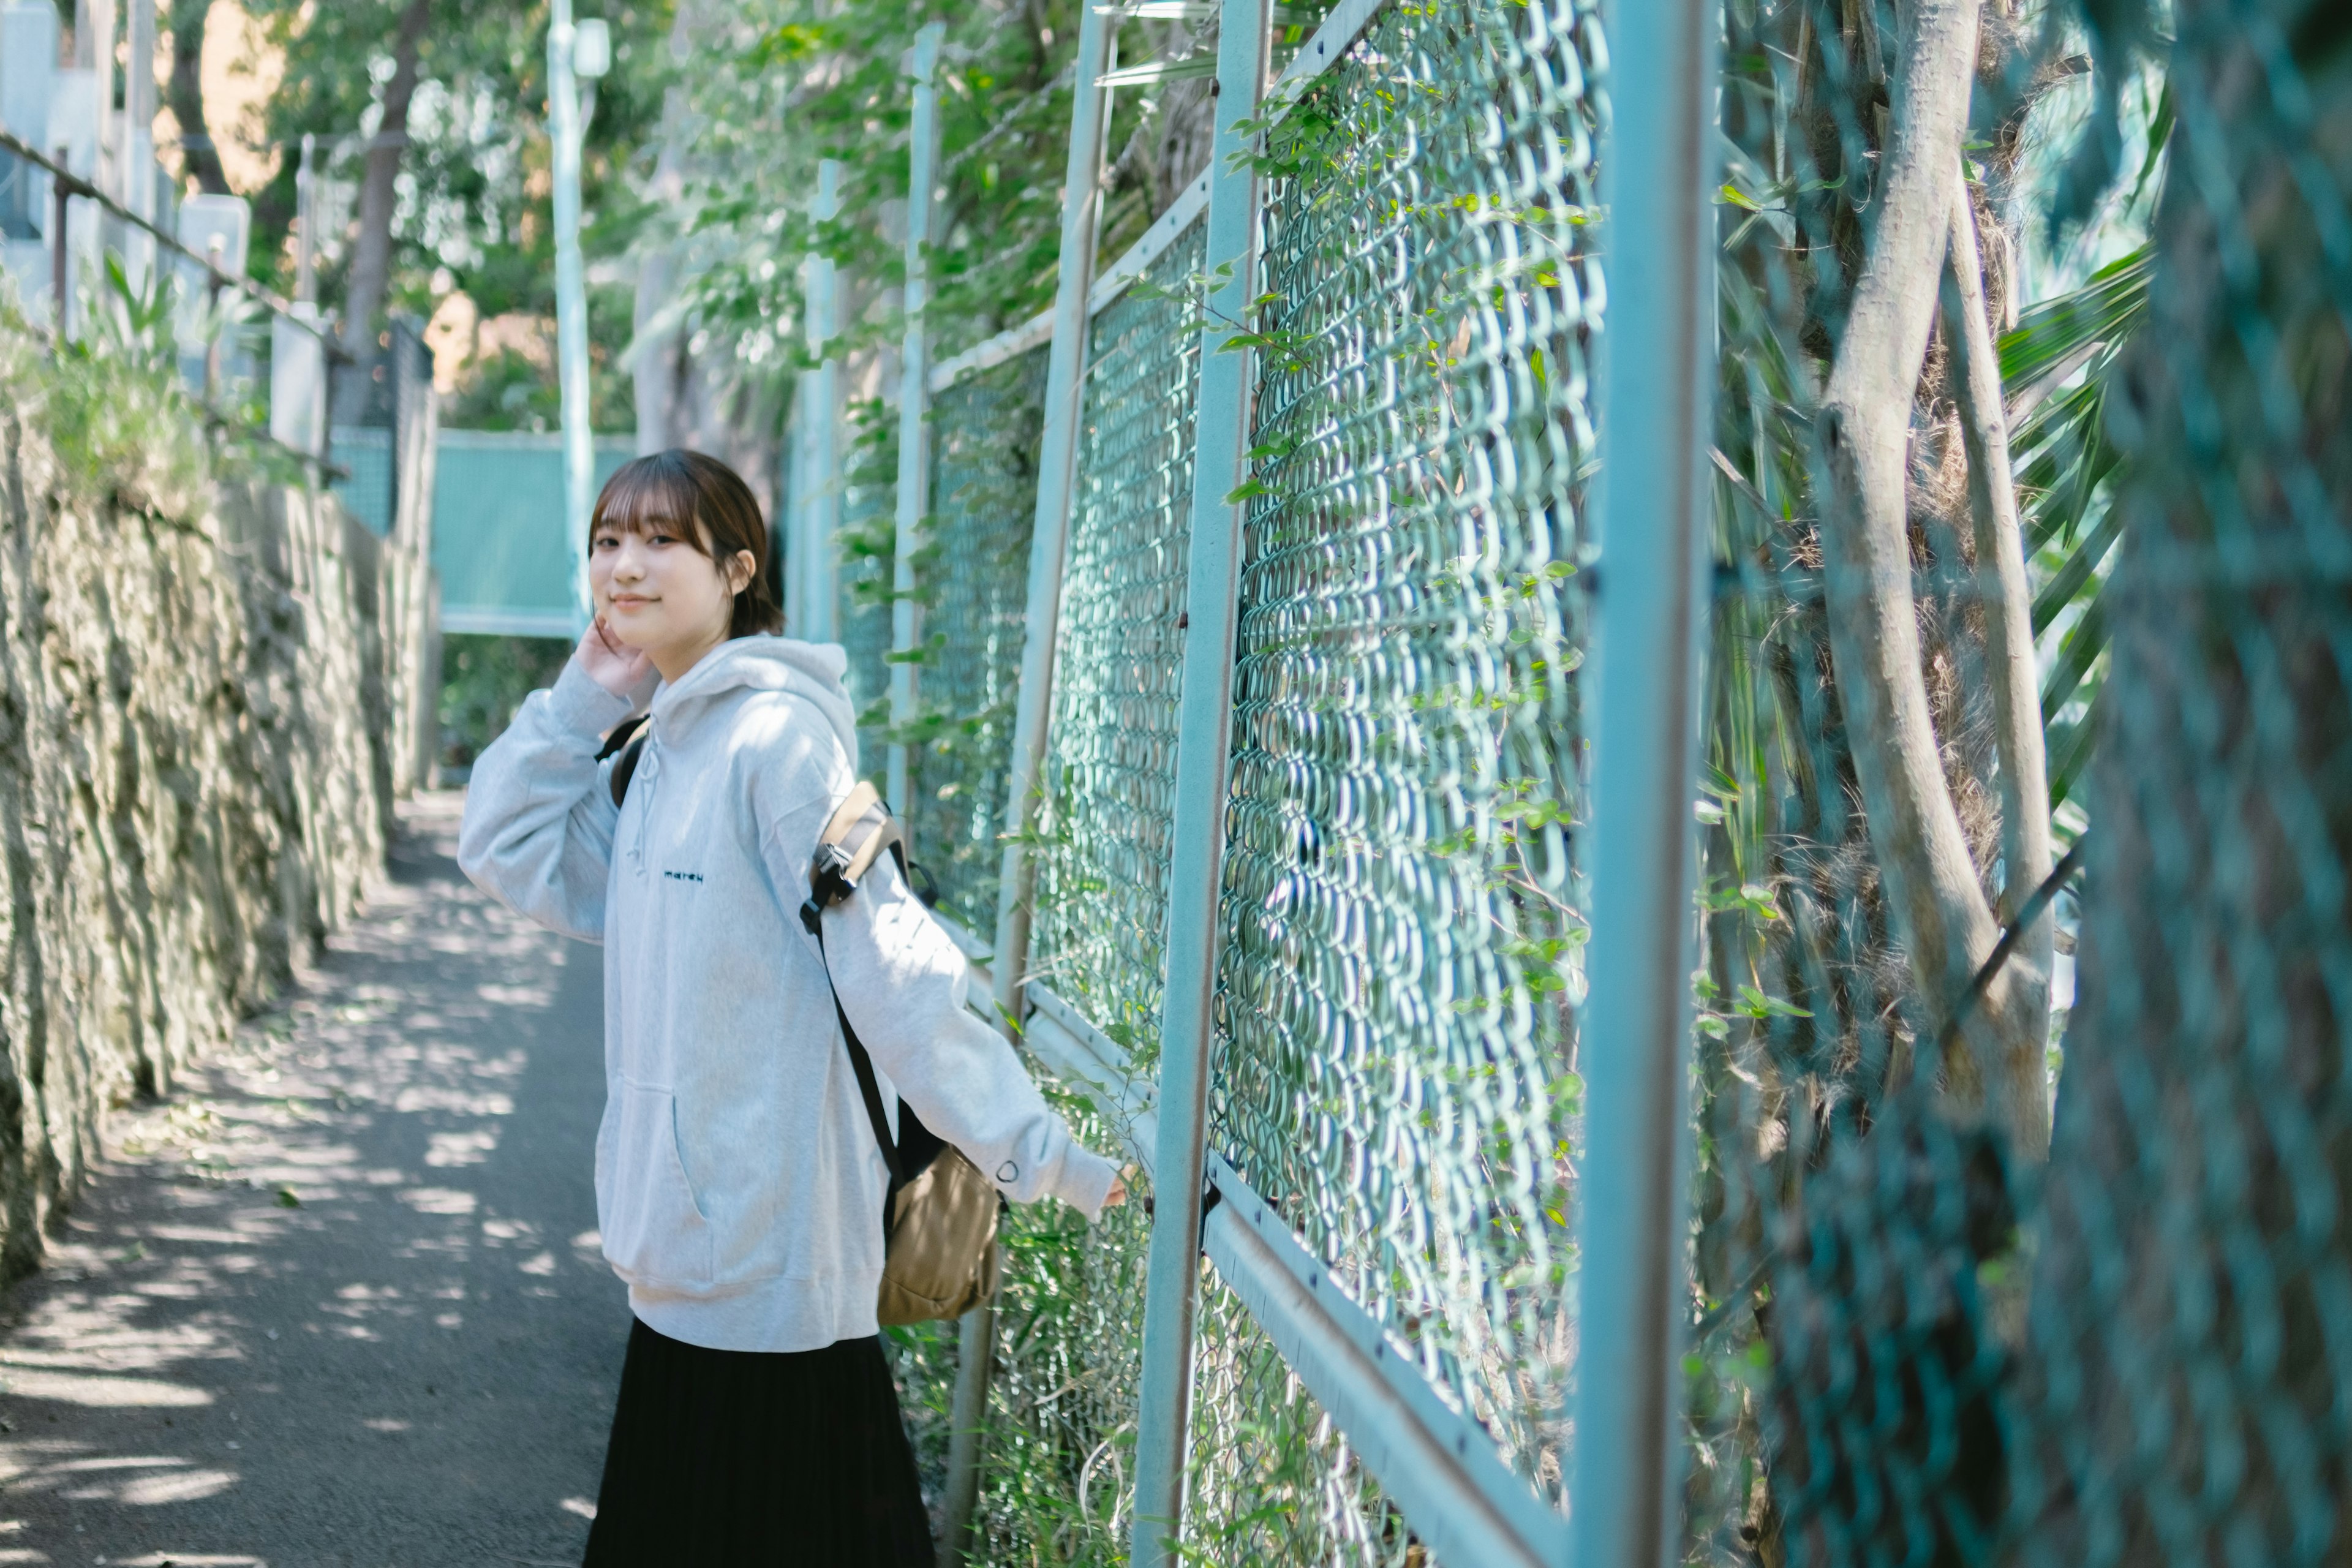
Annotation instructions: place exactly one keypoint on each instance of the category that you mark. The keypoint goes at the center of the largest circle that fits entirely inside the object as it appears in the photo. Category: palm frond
(2056, 366)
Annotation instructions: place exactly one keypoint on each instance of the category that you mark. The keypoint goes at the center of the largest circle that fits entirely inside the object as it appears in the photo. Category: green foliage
(474, 210)
(504, 390)
(2067, 465)
(793, 82)
(483, 680)
(127, 429)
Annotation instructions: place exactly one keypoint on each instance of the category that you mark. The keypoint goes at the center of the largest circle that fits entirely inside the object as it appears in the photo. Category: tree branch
(2008, 612)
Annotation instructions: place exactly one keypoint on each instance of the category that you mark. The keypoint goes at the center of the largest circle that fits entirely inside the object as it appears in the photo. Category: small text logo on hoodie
(683, 876)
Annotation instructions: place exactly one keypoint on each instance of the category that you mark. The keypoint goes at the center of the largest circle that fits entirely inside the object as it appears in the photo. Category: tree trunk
(187, 23)
(371, 252)
(2185, 1395)
(683, 398)
(1863, 434)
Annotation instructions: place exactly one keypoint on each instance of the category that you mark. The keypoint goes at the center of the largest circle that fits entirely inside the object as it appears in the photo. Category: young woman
(739, 1187)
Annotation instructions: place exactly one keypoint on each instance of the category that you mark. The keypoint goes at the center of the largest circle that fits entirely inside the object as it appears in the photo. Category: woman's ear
(740, 569)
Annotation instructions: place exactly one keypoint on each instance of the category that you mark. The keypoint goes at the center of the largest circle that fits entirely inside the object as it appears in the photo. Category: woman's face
(661, 595)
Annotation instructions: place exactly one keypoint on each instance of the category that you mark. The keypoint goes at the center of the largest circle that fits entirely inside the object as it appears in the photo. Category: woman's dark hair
(710, 506)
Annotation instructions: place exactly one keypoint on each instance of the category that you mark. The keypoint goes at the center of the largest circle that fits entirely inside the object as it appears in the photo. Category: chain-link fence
(1062, 1418)
(1108, 799)
(864, 548)
(972, 578)
(2102, 633)
(1401, 937)
(384, 419)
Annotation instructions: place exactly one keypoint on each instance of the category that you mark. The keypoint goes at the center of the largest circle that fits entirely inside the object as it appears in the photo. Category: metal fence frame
(1657, 373)
(1463, 1500)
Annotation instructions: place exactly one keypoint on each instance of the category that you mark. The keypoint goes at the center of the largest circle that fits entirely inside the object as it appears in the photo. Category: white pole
(914, 399)
(1057, 473)
(94, 48)
(138, 173)
(571, 303)
(794, 527)
(305, 218)
(820, 418)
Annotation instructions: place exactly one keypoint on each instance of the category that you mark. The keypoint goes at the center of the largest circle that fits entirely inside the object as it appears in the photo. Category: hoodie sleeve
(901, 980)
(538, 830)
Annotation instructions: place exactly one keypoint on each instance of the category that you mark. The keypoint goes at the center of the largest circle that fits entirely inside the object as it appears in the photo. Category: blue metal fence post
(1655, 398)
(914, 398)
(1171, 1291)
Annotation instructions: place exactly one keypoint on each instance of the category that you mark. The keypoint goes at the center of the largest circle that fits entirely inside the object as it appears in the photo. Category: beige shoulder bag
(939, 1220)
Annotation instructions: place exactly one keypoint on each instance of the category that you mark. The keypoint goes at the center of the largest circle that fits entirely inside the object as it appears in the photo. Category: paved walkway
(338, 1301)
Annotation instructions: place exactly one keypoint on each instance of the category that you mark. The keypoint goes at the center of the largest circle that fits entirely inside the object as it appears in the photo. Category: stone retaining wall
(202, 729)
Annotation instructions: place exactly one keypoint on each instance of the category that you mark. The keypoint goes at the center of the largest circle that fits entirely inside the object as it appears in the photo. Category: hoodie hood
(809, 670)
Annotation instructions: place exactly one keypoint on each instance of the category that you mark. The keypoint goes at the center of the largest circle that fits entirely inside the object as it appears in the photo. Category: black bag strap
(868, 1088)
(628, 741)
(852, 841)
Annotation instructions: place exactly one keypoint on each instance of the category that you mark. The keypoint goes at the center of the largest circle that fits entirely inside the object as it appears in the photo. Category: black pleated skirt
(758, 1460)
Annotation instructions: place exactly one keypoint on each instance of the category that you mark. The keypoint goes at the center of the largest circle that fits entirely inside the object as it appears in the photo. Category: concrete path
(338, 1301)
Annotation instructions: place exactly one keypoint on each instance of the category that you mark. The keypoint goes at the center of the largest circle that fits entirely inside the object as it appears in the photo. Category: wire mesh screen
(1401, 944)
(973, 576)
(1853, 1236)
(1102, 878)
(2186, 1370)
(368, 486)
(1918, 1341)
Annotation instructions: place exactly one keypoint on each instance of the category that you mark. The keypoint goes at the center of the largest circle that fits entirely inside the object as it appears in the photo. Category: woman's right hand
(618, 670)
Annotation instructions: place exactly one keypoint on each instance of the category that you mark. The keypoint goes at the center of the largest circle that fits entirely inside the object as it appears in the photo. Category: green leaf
(2108, 306)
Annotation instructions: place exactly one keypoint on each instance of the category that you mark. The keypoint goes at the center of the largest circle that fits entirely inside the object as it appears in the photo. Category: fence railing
(302, 344)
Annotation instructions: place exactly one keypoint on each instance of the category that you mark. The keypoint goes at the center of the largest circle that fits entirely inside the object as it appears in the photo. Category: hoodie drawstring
(643, 782)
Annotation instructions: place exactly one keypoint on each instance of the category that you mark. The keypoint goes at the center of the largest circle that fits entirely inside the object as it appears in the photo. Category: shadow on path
(338, 1301)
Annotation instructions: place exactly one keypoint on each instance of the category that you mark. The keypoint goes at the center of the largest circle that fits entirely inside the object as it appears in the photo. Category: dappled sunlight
(102, 1393)
(304, 1275)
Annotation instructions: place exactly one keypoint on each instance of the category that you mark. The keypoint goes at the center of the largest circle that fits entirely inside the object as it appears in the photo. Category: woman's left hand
(611, 664)
(1117, 1195)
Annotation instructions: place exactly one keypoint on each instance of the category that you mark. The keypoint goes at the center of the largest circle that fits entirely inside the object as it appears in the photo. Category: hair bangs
(651, 494)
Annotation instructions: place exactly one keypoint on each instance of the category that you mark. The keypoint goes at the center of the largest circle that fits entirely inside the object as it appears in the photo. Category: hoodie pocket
(655, 1233)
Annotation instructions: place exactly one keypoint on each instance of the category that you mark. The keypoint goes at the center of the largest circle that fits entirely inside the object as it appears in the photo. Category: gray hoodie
(739, 1189)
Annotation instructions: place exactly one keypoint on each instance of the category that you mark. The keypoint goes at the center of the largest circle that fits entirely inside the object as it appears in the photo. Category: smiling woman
(677, 560)
(745, 1162)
